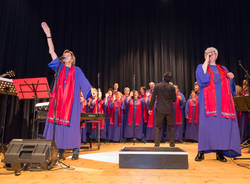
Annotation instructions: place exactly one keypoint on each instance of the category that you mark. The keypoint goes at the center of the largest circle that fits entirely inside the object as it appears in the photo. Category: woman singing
(66, 95)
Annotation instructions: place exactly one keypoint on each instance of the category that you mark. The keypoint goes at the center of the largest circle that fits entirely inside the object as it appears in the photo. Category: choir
(127, 116)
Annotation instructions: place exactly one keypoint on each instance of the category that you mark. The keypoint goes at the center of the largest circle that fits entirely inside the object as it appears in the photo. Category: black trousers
(160, 119)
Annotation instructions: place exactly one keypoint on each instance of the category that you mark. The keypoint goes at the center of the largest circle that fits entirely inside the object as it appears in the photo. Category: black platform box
(153, 158)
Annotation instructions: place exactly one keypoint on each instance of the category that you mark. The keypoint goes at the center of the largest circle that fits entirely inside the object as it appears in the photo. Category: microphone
(239, 62)
(62, 58)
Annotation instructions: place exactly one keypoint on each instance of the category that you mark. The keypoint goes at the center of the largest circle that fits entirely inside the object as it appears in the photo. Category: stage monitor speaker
(33, 154)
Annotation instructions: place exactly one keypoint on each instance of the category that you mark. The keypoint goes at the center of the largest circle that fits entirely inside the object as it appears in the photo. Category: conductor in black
(165, 95)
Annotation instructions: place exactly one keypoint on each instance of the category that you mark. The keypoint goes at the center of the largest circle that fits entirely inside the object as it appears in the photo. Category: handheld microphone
(239, 62)
(62, 58)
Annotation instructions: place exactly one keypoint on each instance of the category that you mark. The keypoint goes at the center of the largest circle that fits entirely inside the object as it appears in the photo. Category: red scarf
(108, 110)
(99, 104)
(65, 97)
(112, 118)
(151, 119)
(227, 103)
(178, 119)
(196, 115)
(131, 113)
(145, 112)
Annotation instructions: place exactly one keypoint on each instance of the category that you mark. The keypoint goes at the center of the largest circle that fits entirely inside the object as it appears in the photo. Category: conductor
(164, 93)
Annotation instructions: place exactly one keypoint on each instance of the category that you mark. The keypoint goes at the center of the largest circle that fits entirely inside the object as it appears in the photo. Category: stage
(102, 167)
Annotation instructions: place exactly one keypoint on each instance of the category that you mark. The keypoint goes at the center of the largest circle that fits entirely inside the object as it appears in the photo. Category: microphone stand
(99, 123)
(55, 105)
(134, 139)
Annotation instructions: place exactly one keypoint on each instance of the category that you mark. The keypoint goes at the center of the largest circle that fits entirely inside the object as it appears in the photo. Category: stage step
(153, 158)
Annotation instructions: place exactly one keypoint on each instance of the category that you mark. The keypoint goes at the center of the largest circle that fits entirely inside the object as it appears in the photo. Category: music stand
(32, 88)
(242, 103)
(7, 88)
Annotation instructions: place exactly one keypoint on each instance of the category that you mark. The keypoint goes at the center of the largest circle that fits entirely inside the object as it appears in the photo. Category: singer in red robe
(218, 127)
(66, 94)
(192, 117)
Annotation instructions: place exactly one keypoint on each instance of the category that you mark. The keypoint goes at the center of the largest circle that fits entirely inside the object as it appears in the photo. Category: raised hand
(46, 29)
(230, 75)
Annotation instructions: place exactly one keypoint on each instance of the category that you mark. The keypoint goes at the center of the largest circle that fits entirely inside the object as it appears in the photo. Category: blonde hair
(72, 55)
(238, 90)
(119, 94)
(93, 90)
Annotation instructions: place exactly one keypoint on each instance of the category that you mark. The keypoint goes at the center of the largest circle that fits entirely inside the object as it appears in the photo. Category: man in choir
(66, 96)
(151, 88)
(192, 116)
(116, 87)
(218, 127)
(165, 95)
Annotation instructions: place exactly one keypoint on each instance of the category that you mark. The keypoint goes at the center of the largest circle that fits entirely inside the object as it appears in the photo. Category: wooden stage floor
(89, 171)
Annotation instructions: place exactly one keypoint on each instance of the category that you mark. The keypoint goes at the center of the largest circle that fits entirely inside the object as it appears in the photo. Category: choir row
(126, 116)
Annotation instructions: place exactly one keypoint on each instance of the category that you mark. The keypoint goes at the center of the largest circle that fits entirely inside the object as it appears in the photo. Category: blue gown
(94, 132)
(216, 133)
(84, 130)
(179, 129)
(134, 131)
(150, 131)
(107, 115)
(115, 131)
(69, 137)
(192, 129)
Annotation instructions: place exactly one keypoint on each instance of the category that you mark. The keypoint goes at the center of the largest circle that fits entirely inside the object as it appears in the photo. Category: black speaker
(33, 154)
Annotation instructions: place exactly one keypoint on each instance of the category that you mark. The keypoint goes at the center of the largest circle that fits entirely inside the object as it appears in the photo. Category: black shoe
(157, 145)
(199, 156)
(220, 157)
(172, 144)
(75, 157)
(61, 156)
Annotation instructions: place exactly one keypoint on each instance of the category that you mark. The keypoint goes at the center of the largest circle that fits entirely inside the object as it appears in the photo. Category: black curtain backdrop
(119, 38)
